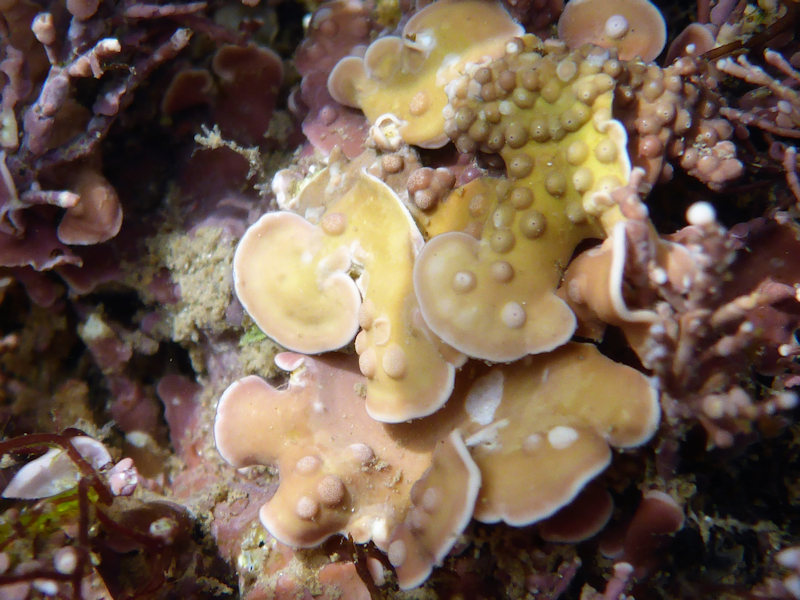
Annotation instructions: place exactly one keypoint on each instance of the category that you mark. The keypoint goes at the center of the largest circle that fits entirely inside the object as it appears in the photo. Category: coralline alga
(345, 260)
(404, 441)
(515, 444)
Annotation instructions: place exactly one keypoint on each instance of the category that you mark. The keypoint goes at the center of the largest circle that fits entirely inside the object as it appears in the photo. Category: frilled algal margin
(575, 132)
(465, 298)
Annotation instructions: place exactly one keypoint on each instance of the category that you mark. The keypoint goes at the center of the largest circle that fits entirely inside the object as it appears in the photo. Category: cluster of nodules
(669, 116)
(514, 218)
(394, 361)
(329, 491)
(514, 203)
(493, 108)
(653, 103)
(427, 186)
(490, 107)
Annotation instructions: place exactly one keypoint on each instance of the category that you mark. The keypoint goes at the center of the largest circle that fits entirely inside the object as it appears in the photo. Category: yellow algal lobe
(493, 297)
(488, 288)
(541, 428)
(405, 76)
(312, 285)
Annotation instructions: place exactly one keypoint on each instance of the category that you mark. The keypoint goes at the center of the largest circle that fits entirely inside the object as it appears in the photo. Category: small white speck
(616, 27)
(47, 586)
(484, 397)
(562, 437)
(397, 553)
(701, 213)
(786, 400)
(532, 442)
(379, 531)
(139, 439)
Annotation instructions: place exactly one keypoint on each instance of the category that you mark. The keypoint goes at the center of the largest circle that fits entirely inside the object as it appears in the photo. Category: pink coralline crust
(111, 352)
(329, 124)
(235, 517)
(530, 443)
(134, 407)
(335, 30)
(334, 581)
(328, 484)
(179, 397)
(212, 185)
(341, 580)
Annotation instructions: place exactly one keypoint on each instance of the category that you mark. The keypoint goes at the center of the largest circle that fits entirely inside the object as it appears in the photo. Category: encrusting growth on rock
(442, 502)
(461, 287)
(517, 445)
(344, 472)
(521, 441)
(481, 295)
(516, 318)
